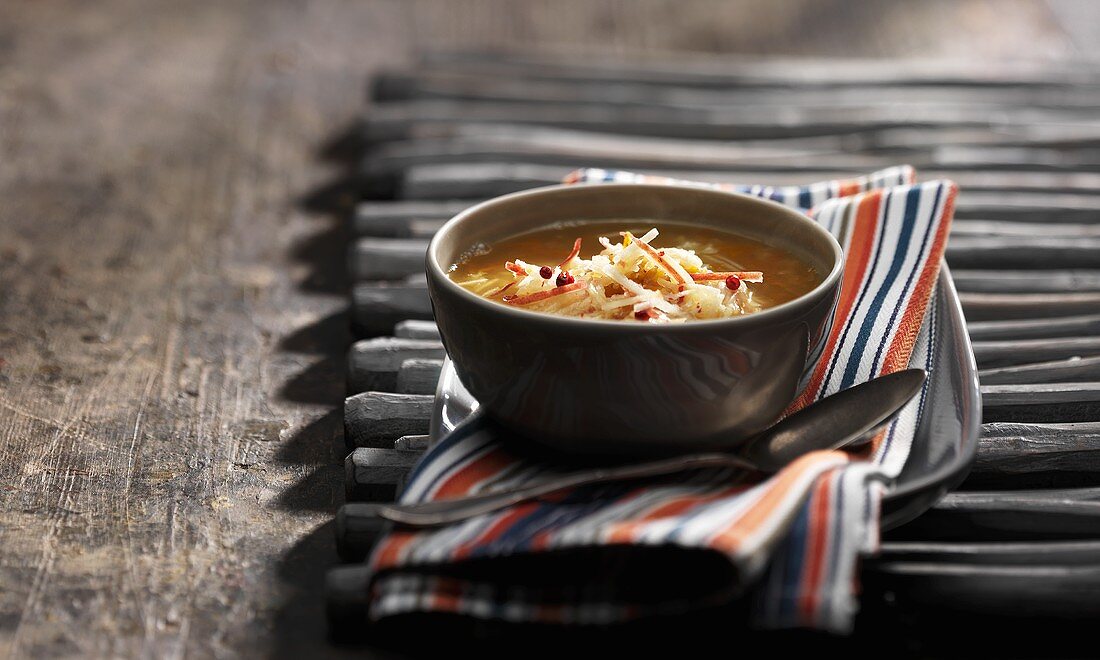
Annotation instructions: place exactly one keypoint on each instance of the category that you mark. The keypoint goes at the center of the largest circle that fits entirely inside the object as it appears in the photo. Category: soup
(633, 271)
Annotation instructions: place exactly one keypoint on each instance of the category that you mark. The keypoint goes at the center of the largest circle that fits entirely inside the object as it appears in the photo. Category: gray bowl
(615, 387)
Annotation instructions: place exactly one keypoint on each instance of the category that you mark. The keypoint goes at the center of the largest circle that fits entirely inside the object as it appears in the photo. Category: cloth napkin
(788, 543)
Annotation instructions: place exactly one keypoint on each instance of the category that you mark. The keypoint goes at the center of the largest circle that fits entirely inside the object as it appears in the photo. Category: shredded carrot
(548, 293)
(660, 259)
(576, 250)
(515, 268)
(743, 275)
(502, 289)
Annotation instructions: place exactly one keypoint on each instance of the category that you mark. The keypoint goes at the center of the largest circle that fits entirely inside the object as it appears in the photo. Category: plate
(946, 441)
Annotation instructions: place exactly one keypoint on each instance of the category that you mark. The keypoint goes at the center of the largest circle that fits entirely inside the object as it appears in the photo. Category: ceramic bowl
(618, 387)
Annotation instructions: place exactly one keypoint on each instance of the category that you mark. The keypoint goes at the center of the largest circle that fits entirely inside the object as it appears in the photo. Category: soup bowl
(609, 387)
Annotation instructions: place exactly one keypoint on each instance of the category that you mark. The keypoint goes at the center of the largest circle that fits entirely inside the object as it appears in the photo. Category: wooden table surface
(172, 295)
(173, 324)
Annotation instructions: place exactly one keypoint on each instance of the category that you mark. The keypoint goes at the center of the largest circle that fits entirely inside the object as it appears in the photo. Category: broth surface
(786, 277)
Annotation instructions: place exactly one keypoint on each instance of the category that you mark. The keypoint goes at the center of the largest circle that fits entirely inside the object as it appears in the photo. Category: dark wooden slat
(493, 129)
(1030, 394)
(1023, 252)
(356, 533)
(948, 134)
(377, 308)
(1026, 281)
(416, 330)
(575, 148)
(970, 157)
(421, 120)
(993, 306)
(419, 376)
(1000, 228)
(1001, 195)
(372, 474)
(416, 443)
(1014, 455)
(434, 209)
(474, 181)
(1024, 413)
(1061, 553)
(725, 72)
(386, 258)
(346, 601)
(609, 151)
(1072, 370)
(1038, 402)
(425, 84)
(373, 364)
(402, 219)
(390, 227)
(865, 127)
(1077, 184)
(374, 419)
(1022, 351)
(1013, 592)
(1028, 328)
(1009, 516)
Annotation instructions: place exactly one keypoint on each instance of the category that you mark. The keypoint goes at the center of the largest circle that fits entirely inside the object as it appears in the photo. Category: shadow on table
(318, 447)
(301, 629)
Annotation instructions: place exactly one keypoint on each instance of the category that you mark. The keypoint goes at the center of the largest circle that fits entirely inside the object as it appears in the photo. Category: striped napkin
(789, 543)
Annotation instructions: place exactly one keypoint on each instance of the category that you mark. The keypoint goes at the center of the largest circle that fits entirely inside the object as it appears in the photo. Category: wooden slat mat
(1024, 144)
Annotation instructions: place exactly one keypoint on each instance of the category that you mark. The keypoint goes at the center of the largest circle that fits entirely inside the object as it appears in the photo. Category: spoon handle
(443, 512)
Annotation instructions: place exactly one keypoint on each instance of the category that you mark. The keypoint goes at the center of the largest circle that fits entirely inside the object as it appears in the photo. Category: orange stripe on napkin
(730, 539)
(816, 545)
(855, 269)
(389, 553)
(481, 469)
(626, 532)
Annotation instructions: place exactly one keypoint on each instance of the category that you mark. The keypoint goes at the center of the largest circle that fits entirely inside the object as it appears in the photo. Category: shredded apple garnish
(629, 280)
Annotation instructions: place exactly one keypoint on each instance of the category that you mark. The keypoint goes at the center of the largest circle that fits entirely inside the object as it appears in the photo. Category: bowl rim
(438, 273)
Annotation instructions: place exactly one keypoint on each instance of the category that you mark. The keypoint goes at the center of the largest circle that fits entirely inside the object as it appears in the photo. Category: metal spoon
(845, 419)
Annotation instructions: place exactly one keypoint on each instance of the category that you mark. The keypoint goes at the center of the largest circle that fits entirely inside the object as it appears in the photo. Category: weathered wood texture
(171, 365)
(419, 376)
(1044, 454)
(377, 307)
(376, 474)
(373, 364)
(375, 419)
